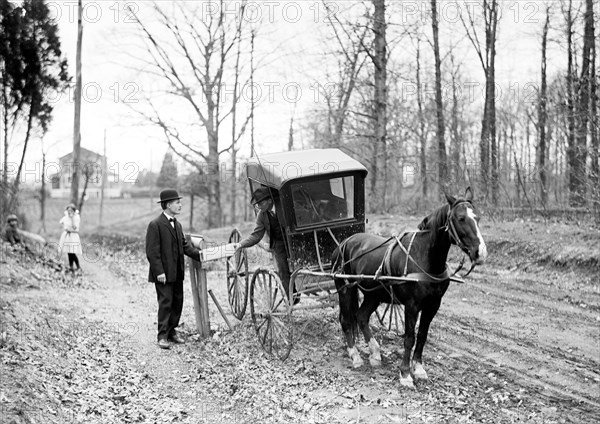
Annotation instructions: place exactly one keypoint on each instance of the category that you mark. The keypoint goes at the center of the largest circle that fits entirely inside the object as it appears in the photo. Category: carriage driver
(266, 221)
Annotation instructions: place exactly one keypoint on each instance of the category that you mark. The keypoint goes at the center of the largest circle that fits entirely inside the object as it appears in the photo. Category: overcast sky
(294, 28)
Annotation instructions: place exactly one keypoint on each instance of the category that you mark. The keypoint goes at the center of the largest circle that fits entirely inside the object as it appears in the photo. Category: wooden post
(220, 310)
(200, 296)
(203, 297)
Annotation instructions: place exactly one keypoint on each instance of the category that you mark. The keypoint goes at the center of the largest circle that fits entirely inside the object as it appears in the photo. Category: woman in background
(69, 240)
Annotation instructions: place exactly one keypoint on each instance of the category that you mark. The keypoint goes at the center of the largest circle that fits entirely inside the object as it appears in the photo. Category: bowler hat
(260, 194)
(11, 217)
(168, 194)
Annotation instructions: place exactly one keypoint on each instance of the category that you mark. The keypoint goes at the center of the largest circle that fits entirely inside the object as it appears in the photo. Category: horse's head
(463, 227)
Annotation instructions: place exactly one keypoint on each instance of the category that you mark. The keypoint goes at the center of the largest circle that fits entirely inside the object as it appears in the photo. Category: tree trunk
(247, 207)
(291, 135)
(456, 141)
(234, 137)
(514, 149)
(439, 106)
(104, 170)
(86, 179)
(542, 116)
(212, 127)
(13, 194)
(380, 77)
(595, 143)
(192, 211)
(43, 194)
(422, 135)
(573, 168)
(582, 107)
(491, 96)
(5, 137)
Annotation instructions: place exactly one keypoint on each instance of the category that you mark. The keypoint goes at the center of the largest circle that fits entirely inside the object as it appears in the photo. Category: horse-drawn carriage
(319, 200)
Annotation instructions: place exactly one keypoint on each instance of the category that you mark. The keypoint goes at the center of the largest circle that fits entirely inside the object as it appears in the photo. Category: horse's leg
(368, 306)
(410, 321)
(427, 315)
(348, 299)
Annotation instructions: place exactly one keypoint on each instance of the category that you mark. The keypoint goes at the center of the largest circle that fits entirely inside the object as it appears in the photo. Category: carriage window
(323, 201)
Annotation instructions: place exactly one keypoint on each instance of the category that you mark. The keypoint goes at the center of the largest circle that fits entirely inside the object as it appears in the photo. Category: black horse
(420, 255)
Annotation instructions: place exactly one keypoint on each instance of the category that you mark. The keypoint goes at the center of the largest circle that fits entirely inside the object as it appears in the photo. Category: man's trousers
(170, 305)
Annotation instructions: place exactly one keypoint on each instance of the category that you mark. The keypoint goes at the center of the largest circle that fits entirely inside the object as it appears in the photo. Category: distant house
(92, 166)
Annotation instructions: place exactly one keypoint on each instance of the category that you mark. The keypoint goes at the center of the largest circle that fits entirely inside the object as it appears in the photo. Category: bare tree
(595, 142)
(487, 57)
(582, 108)
(442, 162)
(350, 39)
(543, 114)
(90, 173)
(422, 131)
(379, 58)
(457, 143)
(196, 59)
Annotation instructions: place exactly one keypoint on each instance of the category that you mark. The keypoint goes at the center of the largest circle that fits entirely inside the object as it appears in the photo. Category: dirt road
(518, 342)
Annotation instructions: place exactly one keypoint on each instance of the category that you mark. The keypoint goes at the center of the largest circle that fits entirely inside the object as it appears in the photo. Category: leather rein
(424, 276)
(451, 229)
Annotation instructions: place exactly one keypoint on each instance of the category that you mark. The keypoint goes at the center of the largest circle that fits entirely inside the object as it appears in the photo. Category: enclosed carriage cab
(319, 199)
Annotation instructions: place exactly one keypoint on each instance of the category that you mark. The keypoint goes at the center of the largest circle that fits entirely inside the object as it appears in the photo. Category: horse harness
(451, 229)
(386, 264)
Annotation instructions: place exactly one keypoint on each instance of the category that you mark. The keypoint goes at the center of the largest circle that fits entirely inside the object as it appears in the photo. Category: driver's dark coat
(165, 249)
(262, 226)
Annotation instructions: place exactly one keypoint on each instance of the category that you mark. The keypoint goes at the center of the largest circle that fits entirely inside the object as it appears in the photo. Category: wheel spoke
(267, 330)
(270, 314)
(259, 326)
(237, 278)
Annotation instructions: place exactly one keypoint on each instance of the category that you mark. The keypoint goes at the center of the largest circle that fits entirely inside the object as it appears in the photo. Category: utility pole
(103, 182)
(77, 121)
(151, 188)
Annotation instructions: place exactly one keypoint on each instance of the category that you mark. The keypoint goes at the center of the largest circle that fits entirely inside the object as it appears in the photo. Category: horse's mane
(435, 219)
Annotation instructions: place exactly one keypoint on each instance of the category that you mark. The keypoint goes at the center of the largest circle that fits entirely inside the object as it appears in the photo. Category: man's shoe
(164, 344)
(177, 339)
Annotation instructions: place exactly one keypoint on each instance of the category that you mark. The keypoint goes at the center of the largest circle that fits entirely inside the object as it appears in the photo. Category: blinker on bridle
(451, 229)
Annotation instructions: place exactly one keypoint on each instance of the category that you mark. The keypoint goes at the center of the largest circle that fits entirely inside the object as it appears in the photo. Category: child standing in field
(70, 242)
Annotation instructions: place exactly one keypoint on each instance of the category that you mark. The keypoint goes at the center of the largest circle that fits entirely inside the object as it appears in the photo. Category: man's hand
(237, 246)
(162, 278)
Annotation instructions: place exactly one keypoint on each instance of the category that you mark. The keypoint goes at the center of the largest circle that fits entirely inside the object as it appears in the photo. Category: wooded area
(399, 92)
(514, 157)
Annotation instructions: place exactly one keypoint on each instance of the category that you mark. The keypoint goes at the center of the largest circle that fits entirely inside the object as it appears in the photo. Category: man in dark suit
(165, 247)
(267, 222)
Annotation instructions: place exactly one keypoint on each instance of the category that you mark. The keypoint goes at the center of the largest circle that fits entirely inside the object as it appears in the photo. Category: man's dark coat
(165, 247)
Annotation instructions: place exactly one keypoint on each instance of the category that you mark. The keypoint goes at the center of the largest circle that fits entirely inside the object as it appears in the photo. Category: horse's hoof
(375, 362)
(421, 375)
(407, 382)
(357, 364)
(357, 361)
(419, 372)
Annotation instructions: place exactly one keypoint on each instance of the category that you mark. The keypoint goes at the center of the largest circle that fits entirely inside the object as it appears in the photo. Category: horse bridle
(451, 229)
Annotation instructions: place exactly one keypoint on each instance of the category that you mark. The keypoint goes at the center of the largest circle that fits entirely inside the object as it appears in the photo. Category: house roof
(83, 152)
(275, 169)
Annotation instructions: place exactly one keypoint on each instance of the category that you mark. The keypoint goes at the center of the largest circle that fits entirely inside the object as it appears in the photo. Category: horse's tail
(337, 257)
(348, 299)
(347, 293)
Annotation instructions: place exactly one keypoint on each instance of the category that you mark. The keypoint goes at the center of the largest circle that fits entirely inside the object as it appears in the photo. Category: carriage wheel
(237, 278)
(391, 317)
(271, 313)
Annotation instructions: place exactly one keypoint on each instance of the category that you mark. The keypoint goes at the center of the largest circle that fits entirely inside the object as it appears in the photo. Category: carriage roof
(276, 169)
